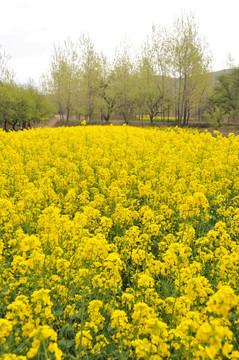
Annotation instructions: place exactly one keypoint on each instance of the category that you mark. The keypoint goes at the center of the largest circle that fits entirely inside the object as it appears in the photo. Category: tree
(158, 47)
(107, 90)
(38, 105)
(73, 80)
(6, 73)
(7, 104)
(189, 66)
(61, 82)
(125, 81)
(153, 73)
(149, 91)
(6, 89)
(90, 76)
(172, 73)
(226, 93)
(21, 106)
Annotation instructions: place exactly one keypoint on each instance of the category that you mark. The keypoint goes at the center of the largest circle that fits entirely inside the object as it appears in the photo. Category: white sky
(29, 28)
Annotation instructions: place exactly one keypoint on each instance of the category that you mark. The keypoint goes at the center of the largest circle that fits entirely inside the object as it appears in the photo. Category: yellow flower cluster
(119, 243)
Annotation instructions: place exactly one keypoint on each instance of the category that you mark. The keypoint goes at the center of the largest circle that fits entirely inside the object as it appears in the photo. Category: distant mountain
(215, 73)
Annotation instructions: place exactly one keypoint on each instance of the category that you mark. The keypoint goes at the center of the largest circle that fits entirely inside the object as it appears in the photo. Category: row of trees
(224, 101)
(169, 77)
(20, 106)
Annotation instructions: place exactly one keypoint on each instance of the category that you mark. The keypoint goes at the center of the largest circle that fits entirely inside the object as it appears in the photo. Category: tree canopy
(170, 75)
(226, 93)
(21, 106)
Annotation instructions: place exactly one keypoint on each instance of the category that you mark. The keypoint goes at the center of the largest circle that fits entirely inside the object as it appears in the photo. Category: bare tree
(190, 66)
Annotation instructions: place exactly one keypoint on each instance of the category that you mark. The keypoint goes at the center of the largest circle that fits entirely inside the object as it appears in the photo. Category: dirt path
(48, 123)
(55, 121)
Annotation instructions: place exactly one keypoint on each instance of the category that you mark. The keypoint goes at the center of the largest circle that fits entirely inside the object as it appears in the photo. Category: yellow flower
(40, 334)
(119, 237)
(101, 343)
(94, 314)
(212, 335)
(222, 301)
(128, 300)
(53, 348)
(83, 339)
(13, 357)
(5, 329)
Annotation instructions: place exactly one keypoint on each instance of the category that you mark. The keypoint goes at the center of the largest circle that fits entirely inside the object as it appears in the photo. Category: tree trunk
(184, 115)
(67, 114)
(125, 118)
(188, 117)
(179, 117)
(163, 95)
(106, 117)
(61, 115)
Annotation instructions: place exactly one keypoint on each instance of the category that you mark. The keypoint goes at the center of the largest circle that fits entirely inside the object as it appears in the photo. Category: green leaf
(66, 344)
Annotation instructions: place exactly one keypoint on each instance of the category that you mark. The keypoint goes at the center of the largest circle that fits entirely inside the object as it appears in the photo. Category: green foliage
(21, 106)
(90, 77)
(73, 80)
(170, 77)
(149, 92)
(6, 73)
(215, 117)
(226, 93)
(190, 68)
(61, 81)
(154, 72)
(107, 103)
(124, 79)
(9, 104)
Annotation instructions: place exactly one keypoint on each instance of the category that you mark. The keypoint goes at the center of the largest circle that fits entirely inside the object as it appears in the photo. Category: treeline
(20, 106)
(170, 76)
(224, 100)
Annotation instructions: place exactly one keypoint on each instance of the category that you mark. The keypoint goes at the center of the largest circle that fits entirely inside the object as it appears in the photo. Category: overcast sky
(29, 28)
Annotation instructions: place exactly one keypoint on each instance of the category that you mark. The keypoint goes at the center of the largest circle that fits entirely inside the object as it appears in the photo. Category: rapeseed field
(119, 243)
